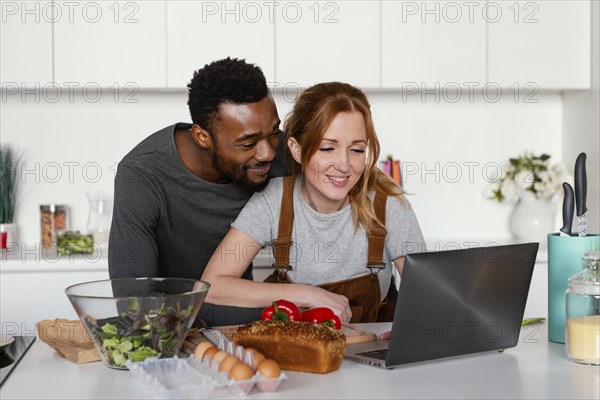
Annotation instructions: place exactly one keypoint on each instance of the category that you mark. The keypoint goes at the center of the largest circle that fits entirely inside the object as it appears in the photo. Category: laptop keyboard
(378, 354)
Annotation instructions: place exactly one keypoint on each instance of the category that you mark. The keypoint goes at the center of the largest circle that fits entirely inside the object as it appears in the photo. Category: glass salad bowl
(131, 319)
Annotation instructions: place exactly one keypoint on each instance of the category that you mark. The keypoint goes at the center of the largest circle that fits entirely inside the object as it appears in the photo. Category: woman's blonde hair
(312, 114)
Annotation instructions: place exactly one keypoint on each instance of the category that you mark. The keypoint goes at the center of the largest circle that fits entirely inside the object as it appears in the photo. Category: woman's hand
(314, 296)
(385, 335)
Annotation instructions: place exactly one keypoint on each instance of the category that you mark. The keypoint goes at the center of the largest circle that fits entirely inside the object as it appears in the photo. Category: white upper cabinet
(431, 43)
(117, 44)
(319, 41)
(25, 44)
(545, 43)
(395, 44)
(199, 32)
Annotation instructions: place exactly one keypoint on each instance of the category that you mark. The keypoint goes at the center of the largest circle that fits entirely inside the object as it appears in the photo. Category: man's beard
(235, 173)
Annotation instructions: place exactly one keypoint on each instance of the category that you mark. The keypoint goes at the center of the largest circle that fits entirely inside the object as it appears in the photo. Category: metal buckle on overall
(282, 271)
(375, 269)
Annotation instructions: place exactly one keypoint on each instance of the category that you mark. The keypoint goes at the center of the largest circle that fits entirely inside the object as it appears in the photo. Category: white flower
(509, 190)
(539, 187)
(524, 179)
(529, 177)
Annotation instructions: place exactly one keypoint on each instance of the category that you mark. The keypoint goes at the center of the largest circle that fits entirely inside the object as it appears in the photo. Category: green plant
(8, 184)
(529, 176)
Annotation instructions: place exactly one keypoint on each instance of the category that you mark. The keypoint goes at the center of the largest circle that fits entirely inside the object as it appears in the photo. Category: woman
(319, 218)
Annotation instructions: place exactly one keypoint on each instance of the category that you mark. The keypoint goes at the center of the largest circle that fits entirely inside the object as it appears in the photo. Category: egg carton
(210, 367)
(172, 378)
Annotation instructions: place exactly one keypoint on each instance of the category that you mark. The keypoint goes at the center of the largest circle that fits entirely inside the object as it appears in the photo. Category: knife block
(564, 261)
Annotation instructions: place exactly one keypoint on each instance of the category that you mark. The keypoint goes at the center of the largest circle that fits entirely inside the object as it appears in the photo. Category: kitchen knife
(214, 336)
(567, 210)
(581, 192)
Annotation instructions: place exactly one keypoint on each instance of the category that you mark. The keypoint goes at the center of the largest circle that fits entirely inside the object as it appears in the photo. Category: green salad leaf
(68, 243)
(136, 335)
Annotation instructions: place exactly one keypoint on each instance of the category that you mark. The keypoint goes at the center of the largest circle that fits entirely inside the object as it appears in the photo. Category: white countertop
(49, 261)
(536, 369)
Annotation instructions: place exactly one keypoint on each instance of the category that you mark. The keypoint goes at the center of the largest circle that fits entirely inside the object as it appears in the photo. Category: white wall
(455, 150)
(424, 134)
(581, 127)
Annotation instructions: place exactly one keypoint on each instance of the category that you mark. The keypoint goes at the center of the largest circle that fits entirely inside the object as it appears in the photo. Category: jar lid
(53, 207)
(587, 281)
(592, 255)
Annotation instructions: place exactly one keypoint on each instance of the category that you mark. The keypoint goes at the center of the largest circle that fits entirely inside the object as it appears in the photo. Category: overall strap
(283, 243)
(376, 236)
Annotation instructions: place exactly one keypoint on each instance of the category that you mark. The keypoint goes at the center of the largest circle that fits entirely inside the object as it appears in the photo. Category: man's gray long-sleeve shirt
(167, 222)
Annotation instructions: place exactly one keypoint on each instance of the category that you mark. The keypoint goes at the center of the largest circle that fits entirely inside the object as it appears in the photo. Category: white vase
(532, 220)
(11, 234)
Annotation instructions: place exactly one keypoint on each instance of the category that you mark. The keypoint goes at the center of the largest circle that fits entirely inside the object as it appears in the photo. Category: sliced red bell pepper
(282, 310)
(322, 315)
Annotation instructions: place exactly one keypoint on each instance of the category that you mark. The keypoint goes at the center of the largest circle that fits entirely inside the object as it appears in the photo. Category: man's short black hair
(224, 81)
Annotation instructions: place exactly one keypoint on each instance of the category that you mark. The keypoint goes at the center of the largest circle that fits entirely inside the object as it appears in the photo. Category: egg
(201, 348)
(210, 352)
(269, 368)
(241, 372)
(256, 356)
(228, 363)
(220, 355)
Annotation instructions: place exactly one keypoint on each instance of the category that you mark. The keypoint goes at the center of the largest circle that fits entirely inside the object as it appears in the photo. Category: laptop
(455, 303)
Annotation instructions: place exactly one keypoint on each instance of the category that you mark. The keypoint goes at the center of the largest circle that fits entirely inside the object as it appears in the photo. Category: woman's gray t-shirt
(326, 247)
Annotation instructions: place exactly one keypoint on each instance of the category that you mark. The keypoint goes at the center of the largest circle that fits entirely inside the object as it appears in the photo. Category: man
(177, 192)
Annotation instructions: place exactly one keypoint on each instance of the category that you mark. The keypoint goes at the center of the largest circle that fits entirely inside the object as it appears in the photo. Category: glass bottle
(583, 312)
(99, 217)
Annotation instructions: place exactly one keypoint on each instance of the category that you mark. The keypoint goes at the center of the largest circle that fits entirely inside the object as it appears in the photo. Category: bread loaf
(296, 346)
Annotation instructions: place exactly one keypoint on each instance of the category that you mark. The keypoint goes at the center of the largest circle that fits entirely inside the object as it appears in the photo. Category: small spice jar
(582, 336)
(53, 218)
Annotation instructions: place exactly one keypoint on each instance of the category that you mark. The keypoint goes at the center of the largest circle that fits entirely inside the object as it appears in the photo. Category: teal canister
(564, 260)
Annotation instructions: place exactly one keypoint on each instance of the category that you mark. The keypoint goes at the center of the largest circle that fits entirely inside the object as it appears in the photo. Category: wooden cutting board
(353, 335)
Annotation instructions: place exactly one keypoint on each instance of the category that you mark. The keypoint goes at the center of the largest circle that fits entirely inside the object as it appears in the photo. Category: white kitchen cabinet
(34, 290)
(25, 45)
(432, 44)
(545, 43)
(114, 44)
(199, 32)
(320, 41)
(32, 286)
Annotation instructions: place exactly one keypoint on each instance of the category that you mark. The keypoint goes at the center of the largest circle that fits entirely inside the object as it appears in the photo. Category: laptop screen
(460, 302)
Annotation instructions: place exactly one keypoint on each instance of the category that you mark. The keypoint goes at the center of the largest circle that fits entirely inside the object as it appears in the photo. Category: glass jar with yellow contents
(582, 337)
